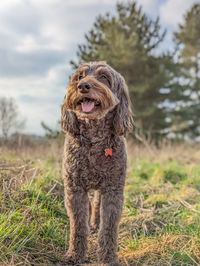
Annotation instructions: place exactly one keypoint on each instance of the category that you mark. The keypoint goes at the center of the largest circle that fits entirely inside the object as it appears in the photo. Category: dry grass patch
(167, 249)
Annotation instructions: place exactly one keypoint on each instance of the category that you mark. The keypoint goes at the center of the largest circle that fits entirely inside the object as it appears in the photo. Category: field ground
(161, 218)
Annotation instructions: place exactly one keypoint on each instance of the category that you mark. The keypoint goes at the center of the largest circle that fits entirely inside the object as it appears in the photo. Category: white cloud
(28, 44)
(5, 4)
(172, 11)
(149, 6)
(39, 99)
(90, 2)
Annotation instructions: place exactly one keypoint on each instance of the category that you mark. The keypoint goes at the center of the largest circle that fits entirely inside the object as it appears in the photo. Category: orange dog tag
(108, 152)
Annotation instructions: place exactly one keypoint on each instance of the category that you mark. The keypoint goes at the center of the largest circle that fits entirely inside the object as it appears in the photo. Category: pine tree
(129, 42)
(187, 39)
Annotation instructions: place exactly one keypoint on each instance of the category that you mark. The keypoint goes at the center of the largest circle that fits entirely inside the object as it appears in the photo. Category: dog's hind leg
(95, 211)
(77, 204)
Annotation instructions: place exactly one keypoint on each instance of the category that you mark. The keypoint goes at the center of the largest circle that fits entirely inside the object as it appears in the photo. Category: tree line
(164, 86)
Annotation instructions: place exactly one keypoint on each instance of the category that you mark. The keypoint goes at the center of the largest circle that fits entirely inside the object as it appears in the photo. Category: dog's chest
(92, 165)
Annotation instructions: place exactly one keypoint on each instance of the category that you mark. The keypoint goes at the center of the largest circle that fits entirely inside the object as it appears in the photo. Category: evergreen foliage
(187, 39)
(128, 41)
(164, 87)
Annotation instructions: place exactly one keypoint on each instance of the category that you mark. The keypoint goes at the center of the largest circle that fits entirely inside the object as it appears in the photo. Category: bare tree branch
(9, 117)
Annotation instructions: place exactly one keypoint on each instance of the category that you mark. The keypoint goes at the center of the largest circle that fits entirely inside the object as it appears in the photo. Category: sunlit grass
(33, 222)
(161, 222)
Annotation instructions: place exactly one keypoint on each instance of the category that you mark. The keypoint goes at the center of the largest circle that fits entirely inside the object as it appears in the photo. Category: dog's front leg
(77, 204)
(110, 214)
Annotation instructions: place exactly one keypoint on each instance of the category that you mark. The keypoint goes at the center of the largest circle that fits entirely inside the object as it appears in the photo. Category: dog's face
(90, 92)
(94, 90)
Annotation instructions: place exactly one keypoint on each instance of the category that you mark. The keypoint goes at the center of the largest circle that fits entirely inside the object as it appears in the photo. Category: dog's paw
(71, 258)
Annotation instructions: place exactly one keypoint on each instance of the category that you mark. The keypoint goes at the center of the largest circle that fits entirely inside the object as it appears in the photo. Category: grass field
(161, 218)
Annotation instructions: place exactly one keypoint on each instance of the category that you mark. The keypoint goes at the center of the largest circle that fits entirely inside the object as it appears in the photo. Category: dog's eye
(104, 79)
(80, 77)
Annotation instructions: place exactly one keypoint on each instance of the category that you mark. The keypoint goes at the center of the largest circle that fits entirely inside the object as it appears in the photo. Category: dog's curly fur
(85, 165)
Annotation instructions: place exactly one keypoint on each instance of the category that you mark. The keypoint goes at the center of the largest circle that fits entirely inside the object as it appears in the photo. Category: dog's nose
(84, 87)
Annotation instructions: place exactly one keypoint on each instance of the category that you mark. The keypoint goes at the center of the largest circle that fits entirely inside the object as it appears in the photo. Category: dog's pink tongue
(87, 106)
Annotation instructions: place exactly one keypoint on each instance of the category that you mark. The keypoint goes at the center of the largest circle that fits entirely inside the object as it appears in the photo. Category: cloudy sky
(39, 38)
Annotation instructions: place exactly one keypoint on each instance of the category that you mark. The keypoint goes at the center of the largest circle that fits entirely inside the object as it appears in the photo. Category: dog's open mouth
(88, 104)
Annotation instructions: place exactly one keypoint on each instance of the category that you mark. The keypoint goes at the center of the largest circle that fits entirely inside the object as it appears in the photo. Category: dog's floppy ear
(123, 120)
(69, 122)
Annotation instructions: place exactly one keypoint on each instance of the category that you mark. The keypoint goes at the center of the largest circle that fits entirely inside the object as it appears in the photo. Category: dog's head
(94, 90)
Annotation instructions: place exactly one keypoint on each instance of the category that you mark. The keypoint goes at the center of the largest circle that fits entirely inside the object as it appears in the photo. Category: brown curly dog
(96, 115)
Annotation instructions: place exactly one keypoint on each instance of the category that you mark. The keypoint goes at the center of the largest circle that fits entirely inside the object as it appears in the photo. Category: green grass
(160, 223)
(34, 227)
